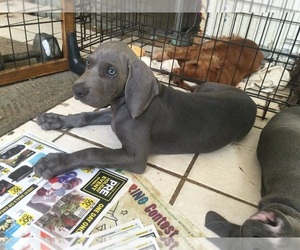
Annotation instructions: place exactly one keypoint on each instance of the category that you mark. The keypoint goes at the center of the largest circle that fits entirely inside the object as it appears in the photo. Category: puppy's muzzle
(79, 91)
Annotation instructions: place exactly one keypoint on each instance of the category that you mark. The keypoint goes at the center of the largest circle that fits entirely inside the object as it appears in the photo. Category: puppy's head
(114, 71)
(271, 223)
(105, 74)
(265, 223)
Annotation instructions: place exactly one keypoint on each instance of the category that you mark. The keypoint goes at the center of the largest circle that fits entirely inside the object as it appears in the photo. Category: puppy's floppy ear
(141, 87)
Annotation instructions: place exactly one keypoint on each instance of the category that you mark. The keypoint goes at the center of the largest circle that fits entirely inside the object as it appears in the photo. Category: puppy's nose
(79, 90)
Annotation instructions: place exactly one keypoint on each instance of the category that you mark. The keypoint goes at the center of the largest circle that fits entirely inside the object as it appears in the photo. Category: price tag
(40, 147)
(29, 142)
(87, 203)
(26, 219)
(5, 171)
(87, 170)
(15, 190)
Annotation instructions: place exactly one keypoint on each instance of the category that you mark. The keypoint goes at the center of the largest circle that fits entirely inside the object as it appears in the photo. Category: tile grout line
(183, 180)
(164, 170)
(67, 132)
(256, 126)
(221, 193)
(84, 139)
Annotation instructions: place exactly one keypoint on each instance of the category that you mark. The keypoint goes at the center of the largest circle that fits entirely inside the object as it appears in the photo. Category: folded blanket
(166, 65)
(268, 79)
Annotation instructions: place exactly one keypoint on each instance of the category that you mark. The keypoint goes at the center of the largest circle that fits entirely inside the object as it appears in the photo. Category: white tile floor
(226, 181)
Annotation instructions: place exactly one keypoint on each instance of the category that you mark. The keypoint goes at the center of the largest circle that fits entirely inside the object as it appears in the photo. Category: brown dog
(227, 61)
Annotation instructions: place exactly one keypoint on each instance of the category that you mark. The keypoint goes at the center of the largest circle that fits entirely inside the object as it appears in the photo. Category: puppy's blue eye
(111, 71)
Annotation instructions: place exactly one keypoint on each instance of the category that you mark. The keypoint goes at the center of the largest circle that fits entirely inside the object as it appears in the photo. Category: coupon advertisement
(71, 203)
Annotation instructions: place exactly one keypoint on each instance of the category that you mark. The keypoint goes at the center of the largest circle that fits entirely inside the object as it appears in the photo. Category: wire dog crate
(33, 38)
(273, 85)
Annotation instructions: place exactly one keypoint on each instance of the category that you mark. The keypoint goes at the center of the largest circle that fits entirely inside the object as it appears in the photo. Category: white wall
(273, 24)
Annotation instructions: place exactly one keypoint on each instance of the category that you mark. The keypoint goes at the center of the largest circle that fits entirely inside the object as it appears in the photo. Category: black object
(12, 151)
(20, 173)
(76, 64)
(23, 156)
(48, 46)
(45, 48)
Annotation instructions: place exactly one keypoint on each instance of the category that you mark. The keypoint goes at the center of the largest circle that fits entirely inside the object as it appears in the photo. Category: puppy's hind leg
(49, 121)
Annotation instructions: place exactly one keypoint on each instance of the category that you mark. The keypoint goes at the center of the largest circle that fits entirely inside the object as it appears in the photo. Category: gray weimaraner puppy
(146, 116)
(278, 152)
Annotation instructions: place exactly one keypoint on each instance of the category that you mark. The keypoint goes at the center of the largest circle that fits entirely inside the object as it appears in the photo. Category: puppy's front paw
(49, 121)
(51, 165)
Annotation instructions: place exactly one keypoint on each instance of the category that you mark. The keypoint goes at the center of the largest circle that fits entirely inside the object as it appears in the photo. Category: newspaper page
(130, 239)
(69, 204)
(142, 200)
(121, 236)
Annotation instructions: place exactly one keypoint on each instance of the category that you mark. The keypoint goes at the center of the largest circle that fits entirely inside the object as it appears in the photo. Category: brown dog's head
(114, 72)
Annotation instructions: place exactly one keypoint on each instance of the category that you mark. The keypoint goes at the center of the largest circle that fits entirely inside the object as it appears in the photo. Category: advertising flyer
(62, 206)
(90, 208)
